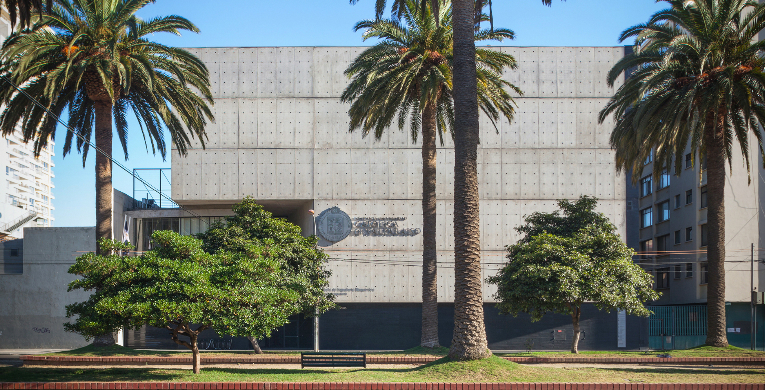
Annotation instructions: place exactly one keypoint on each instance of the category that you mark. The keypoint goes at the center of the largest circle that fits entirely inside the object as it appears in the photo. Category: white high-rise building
(26, 197)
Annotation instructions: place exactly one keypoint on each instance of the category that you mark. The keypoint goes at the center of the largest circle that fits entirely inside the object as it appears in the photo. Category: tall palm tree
(21, 10)
(696, 78)
(469, 338)
(93, 59)
(409, 75)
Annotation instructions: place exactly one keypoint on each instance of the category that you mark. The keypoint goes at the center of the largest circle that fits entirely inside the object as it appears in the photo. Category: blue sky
(322, 23)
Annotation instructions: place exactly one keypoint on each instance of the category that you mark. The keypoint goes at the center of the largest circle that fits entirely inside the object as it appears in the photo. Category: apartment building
(672, 222)
(26, 197)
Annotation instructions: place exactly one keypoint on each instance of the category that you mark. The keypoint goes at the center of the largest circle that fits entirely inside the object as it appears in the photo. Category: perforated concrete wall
(281, 133)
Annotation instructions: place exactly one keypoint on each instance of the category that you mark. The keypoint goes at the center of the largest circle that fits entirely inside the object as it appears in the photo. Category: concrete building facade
(33, 304)
(281, 136)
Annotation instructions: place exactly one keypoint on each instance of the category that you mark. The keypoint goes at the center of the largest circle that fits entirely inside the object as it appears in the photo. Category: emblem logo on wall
(334, 225)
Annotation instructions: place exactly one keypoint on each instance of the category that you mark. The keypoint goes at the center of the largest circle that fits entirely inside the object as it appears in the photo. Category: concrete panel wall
(281, 133)
(32, 311)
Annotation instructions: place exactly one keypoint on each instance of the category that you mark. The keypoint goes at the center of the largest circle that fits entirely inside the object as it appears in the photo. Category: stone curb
(30, 360)
(375, 386)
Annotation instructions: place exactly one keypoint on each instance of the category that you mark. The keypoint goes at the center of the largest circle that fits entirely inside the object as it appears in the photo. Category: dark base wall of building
(378, 326)
(739, 325)
(396, 326)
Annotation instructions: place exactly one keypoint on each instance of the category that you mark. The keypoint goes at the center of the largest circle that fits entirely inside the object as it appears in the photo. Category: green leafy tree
(181, 287)
(695, 79)
(94, 59)
(565, 260)
(301, 258)
(409, 75)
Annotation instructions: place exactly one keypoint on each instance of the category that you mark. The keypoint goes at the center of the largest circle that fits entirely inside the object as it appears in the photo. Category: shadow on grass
(9, 374)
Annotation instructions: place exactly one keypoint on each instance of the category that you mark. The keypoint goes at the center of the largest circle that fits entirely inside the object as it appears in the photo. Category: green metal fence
(677, 327)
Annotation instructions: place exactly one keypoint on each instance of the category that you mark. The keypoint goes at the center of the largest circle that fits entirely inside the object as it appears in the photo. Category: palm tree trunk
(103, 111)
(715, 155)
(429, 255)
(469, 339)
(103, 187)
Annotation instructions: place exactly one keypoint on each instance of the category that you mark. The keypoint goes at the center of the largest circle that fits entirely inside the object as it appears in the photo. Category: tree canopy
(566, 260)
(301, 258)
(245, 287)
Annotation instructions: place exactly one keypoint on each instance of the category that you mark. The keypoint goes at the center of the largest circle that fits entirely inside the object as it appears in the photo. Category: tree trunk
(575, 314)
(195, 354)
(103, 189)
(429, 255)
(255, 345)
(715, 155)
(469, 338)
(104, 340)
(103, 171)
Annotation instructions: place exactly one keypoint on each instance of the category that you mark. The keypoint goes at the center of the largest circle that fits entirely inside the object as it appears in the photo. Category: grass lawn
(704, 351)
(493, 369)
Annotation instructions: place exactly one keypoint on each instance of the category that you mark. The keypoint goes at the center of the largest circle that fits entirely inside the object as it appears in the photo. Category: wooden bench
(333, 359)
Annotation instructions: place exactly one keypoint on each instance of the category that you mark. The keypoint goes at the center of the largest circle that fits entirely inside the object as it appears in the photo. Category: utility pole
(316, 312)
(752, 329)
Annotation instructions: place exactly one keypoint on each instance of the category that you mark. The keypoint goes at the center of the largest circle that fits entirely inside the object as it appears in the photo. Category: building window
(646, 249)
(646, 186)
(688, 197)
(662, 278)
(678, 269)
(662, 243)
(677, 201)
(648, 159)
(689, 234)
(703, 198)
(703, 272)
(663, 209)
(688, 270)
(664, 179)
(646, 217)
(688, 161)
(677, 237)
(704, 235)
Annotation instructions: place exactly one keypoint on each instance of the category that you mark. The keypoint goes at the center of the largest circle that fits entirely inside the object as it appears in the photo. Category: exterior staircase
(5, 230)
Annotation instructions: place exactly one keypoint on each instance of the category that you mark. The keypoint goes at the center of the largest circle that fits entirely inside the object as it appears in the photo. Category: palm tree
(93, 58)
(409, 75)
(696, 77)
(21, 10)
(469, 339)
